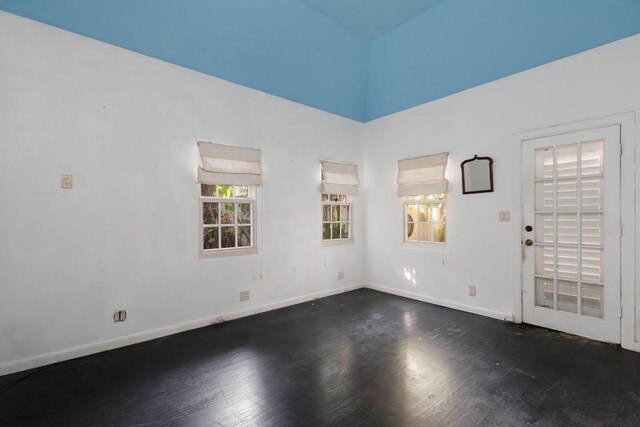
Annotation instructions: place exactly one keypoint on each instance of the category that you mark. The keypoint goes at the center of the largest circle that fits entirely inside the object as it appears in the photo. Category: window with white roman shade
(424, 188)
(423, 175)
(339, 178)
(229, 165)
(339, 184)
(228, 177)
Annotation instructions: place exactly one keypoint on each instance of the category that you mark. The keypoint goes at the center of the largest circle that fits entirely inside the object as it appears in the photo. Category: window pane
(225, 191)
(210, 238)
(544, 163)
(438, 233)
(592, 265)
(567, 228)
(333, 197)
(592, 158)
(244, 213)
(228, 213)
(344, 230)
(567, 194)
(228, 237)
(335, 230)
(325, 197)
(425, 213)
(567, 296)
(591, 229)
(544, 293)
(544, 195)
(437, 213)
(326, 231)
(344, 213)
(208, 190)
(241, 191)
(567, 160)
(592, 193)
(342, 198)
(592, 300)
(412, 215)
(412, 230)
(545, 261)
(326, 213)
(567, 263)
(335, 213)
(244, 236)
(544, 228)
(425, 232)
(210, 213)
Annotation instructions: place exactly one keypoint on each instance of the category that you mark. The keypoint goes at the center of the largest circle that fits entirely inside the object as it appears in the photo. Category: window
(425, 218)
(336, 217)
(227, 219)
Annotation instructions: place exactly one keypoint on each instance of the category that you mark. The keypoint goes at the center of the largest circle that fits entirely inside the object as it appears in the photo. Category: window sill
(424, 245)
(225, 253)
(340, 242)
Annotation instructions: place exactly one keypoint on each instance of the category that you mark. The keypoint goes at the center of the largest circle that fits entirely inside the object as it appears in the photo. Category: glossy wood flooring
(359, 358)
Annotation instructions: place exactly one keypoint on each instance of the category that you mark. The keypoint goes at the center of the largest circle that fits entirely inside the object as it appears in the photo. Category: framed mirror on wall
(477, 175)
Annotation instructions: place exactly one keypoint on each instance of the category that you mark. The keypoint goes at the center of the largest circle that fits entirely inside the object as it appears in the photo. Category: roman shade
(423, 175)
(225, 164)
(339, 178)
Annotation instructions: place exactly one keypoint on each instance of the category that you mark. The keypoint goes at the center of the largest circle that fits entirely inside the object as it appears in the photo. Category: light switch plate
(340, 275)
(66, 181)
(472, 291)
(505, 216)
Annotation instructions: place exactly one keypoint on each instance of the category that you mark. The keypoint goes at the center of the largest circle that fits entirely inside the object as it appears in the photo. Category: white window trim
(228, 252)
(337, 242)
(421, 244)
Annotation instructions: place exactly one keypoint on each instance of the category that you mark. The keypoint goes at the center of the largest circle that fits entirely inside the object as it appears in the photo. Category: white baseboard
(97, 347)
(442, 302)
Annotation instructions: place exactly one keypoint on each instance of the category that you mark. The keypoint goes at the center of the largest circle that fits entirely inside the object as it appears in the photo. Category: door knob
(528, 228)
(528, 242)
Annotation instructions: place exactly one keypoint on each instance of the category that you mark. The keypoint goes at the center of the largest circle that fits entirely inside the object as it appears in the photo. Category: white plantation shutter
(423, 175)
(570, 232)
(225, 164)
(339, 178)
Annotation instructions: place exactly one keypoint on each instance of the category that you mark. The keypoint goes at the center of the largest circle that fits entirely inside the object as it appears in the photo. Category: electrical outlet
(120, 316)
(504, 216)
(340, 275)
(66, 181)
(244, 295)
(472, 291)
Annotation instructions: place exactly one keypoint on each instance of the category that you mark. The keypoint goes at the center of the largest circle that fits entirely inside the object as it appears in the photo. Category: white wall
(126, 236)
(479, 250)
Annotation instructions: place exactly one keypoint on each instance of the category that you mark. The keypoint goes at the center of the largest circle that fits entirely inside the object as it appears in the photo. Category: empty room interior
(319, 212)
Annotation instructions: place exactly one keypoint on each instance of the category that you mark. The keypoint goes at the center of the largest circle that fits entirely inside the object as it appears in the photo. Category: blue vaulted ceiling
(372, 18)
(360, 59)
(282, 47)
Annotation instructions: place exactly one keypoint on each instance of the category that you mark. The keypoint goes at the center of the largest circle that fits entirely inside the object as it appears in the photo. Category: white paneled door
(571, 233)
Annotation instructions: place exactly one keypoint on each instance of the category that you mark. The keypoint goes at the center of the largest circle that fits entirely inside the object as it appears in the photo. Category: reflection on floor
(359, 358)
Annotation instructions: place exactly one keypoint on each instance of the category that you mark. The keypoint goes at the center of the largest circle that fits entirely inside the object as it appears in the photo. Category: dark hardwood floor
(359, 358)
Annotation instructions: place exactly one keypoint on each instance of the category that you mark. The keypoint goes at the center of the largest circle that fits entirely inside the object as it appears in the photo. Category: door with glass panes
(571, 233)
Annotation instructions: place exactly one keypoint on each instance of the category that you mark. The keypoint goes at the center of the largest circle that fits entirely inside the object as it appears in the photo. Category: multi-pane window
(569, 223)
(425, 218)
(336, 217)
(228, 213)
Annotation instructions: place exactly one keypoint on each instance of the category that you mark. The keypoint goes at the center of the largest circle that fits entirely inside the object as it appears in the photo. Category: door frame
(629, 207)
